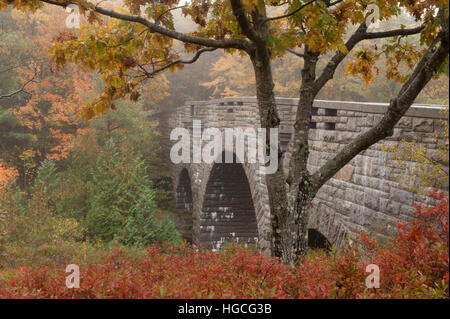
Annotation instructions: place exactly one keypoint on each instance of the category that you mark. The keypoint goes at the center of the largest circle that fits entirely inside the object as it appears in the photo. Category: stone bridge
(229, 201)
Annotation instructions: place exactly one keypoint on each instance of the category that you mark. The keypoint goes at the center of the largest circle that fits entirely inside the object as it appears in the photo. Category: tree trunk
(290, 196)
(288, 213)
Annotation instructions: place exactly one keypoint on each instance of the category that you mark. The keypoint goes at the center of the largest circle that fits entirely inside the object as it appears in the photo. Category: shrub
(415, 266)
(416, 263)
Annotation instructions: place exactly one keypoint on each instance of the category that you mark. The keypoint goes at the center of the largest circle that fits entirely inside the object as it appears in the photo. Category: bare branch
(179, 61)
(158, 20)
(21, 89)
(299, 54)
(327, 2)
(291, 13)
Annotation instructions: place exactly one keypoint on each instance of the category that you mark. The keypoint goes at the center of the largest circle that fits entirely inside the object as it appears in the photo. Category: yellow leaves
(400, 54)
(232, 76)
(250, 5)
(31, 5)
(28, 160)
(120, 52)
(343, 48)
(198, 11)
(363, 65)
(65, 229)
(349, 11)
(321, 29)
(99, 106)
(104, 102)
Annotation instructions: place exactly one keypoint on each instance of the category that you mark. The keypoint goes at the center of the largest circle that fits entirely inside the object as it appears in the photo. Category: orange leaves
(198, 11)
(128, 62)
(363, 65)
(64, 36)
(62, 148)
(51, 115)
(122, 53)
(401, 54)
(7, 176)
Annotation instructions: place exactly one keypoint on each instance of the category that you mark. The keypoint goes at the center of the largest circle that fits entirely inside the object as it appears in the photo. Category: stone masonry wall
(364, 195)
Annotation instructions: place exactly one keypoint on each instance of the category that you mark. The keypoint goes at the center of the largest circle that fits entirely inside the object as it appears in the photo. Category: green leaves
(273, 41)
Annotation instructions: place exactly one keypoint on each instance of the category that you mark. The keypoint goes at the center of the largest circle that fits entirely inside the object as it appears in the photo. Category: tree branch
(299, 54)
(327, 2)
(158, 20)
(291, 13)
(153, 27)
(247, 29)
(393, 33)
(359, 35)
(22, 88)
(427, 67)
(179, 61)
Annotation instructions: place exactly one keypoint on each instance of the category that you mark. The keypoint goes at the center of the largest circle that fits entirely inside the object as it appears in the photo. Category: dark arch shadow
(184, 191)
(316, 240)
(228, 212)
(183, 200)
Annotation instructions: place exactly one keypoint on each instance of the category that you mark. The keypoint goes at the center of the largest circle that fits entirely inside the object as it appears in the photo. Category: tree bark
(299, 178)
(279, 211)
(289, 196)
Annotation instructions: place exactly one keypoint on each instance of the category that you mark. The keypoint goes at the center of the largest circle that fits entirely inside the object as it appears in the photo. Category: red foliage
(414, 266)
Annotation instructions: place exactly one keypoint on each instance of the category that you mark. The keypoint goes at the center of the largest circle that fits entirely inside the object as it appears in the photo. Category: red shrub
(416, 263)
(414, 266)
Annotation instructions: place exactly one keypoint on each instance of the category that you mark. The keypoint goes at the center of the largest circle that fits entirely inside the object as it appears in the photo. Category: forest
(82, 175)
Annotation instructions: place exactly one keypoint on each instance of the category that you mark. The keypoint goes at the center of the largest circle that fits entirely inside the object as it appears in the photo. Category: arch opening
(183, 201)
(184, 191)
(316, 240)
(228, 212)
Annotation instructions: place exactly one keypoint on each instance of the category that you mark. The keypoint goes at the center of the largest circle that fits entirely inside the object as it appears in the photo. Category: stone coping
(416, 110)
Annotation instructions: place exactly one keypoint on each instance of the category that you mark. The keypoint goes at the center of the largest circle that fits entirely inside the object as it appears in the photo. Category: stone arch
(228, 210)
(330, 225)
